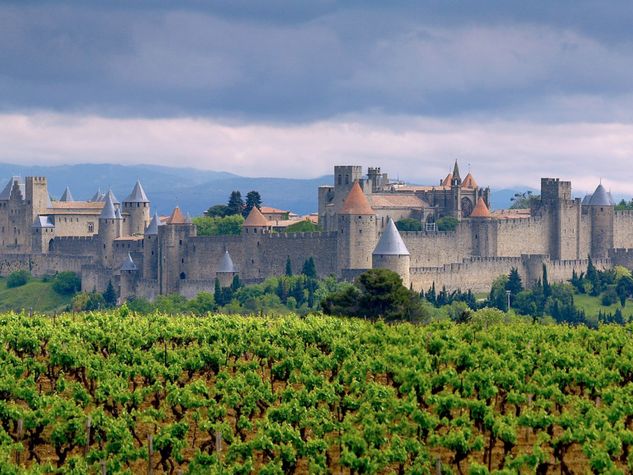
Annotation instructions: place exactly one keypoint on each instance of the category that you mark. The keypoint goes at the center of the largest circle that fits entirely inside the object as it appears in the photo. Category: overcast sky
(518, 90)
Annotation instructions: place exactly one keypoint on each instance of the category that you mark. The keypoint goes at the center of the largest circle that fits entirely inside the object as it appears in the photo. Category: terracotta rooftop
(511, 214)
(397, 201)
(469, 181)
(356, 202)
(176, 217)
(481, 210)
(270, 210)
(77, 205)
(447, 181)
(255, 218)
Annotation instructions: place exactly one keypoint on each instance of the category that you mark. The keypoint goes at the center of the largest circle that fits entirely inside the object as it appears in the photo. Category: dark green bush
(18, 278)
(66, 283)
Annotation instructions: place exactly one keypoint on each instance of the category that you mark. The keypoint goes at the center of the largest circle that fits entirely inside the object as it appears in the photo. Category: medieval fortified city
(106, 240)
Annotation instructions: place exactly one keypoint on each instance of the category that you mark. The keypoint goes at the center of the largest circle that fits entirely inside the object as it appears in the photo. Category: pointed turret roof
(98, 196)
(117, 213)
(600, 197)
(67, 195)
(43, 222)
(152, 228)
(108, 211)
(469, 181)
(226, 264)
(447, 181)
(481, 210)
(188, 219)
(586, 200)
(176, 217)
(256, 219)
(6, 192)
(356, 202)
(611, 198)
(137, 195)
(112, 197)
(391, 243)
(456, 172)
(129, 264)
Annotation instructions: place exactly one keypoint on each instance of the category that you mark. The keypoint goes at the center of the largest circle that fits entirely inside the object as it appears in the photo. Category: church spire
(456, 179)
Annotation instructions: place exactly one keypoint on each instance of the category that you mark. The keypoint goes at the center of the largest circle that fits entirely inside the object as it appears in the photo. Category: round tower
(226, 270)
(356, 231)
(602, 211)
(109, 226)
(255, 223)
(127, 281)
(391, 253)
(136, 205)
(480, 220)
(172, 251)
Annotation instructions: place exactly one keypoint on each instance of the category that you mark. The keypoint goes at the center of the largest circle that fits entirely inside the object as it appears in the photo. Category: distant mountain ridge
(192, 189)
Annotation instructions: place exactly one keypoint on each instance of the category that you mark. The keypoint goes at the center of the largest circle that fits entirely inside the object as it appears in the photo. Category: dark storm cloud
(306, 60)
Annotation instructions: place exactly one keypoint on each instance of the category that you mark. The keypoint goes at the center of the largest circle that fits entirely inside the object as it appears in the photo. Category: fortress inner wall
(623, 229)
(435, 248)
(522, 236)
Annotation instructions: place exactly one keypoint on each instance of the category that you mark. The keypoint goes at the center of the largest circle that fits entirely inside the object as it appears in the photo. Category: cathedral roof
(391, 243)
(255, 218)
(600, 197)
(108, 211)
(481, 210)
(447, 181)
(152, 228)
(176, 217)
(456, 172)
(356, 202)
(129, 264)
(469, 181)
(67, 195)
(137, 195)
(226, 264)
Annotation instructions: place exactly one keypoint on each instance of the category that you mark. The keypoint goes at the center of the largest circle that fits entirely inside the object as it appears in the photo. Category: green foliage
(229, 225)
(88, 301)
(18, 278)
(624, 205)
(253, 199)
(235, 204)
(305, 226)
(514, 284)
(66, 283)
(525, 200)
(309, 268)
(110, 296)
(288, 267)
(217, 211)
(447, 223)
(409, 224)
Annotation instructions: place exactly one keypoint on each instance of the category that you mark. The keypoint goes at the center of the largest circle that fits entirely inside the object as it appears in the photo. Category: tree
(236, 283)
(109, 296)
(253, 199)
(547, 291)
(304, 226)
(217, 211)
(66, 283)
(624, 289)
(525, 200)
(498, 297)
(217, 293)
(235, 204)
(18, 278)
(288, 267)
(382, 294)
(447, 223)
(202, 303)
(227, 226)
(514, 284)
(409, 224)
(309, 268)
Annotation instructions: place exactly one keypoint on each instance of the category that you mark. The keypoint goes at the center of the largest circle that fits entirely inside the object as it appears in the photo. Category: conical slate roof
(108, 211)
(98, 196)
(138, 194)
(611, 198)
(6, 192)
(255, 219)
(112, 197)
(226, 264)
(188, 219)
(481, 210)
(600, 197)
(391, 243)
(356, 202)
(117, 213)
(67, 195)
(469, 181)
(586, 200)
(152, 228)
(129, 264)
(176, 217)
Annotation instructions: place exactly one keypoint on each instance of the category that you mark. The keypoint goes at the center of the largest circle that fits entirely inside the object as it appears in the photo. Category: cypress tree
(217, 294)
(547, 290)
(109, 296)
(514, 285)
(288, 267)
(253, 199)
(235, 204)
(309, 268)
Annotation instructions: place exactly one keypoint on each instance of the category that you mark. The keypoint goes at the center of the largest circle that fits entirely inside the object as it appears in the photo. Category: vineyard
(117, 392)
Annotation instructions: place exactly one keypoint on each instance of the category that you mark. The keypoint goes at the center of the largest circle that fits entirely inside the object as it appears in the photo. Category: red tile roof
(256, 219)
(469, 182)
(176, 217)
(356, 202)
(481, 210)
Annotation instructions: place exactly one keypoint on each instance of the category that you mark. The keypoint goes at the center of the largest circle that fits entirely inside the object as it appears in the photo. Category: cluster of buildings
(107, 240)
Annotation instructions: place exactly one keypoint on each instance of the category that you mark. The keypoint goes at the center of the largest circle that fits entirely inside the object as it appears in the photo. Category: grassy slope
(592, 305)
(37, 294)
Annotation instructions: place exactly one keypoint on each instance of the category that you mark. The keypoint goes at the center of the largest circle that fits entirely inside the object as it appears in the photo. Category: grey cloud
(288, 61)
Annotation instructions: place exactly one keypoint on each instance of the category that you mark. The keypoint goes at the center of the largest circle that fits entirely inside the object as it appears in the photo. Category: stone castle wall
(623, 229)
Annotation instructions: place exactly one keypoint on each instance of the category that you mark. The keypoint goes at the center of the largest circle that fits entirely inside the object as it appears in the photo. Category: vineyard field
(115, 392)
